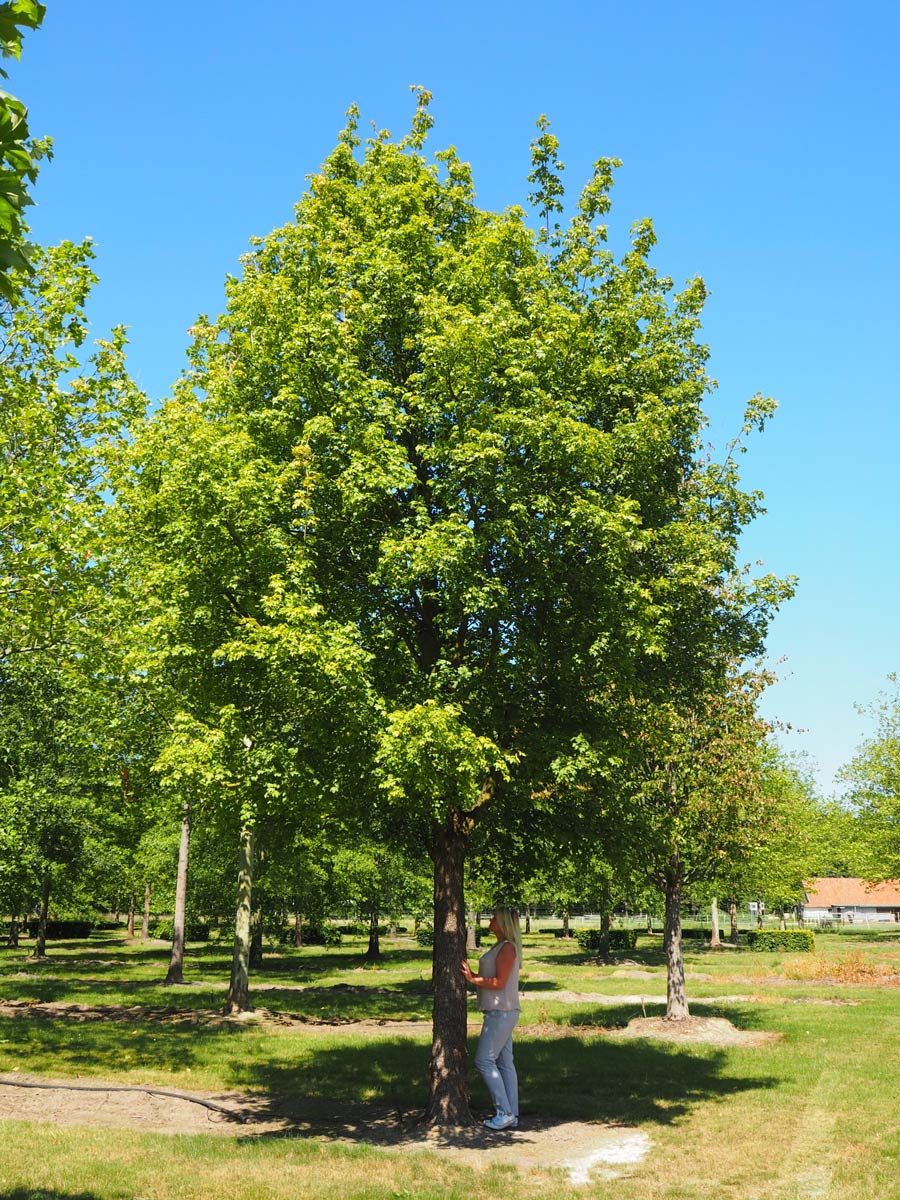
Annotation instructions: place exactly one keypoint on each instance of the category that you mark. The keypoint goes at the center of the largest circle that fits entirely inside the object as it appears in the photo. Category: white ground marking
(622, 1150)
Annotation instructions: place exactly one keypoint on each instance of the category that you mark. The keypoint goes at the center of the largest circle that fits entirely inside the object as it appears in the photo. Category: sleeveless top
(507, 998)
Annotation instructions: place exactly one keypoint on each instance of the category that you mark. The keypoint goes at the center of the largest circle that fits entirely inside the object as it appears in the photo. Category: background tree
(873, 790)
(19, 154)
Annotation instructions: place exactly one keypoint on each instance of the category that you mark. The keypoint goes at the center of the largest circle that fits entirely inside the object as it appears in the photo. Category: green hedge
(782, 941)
(361, 929)
(590, 940)
(425, 936)
(61, 929)
(325, 935)
(194, 931)
(313, 935)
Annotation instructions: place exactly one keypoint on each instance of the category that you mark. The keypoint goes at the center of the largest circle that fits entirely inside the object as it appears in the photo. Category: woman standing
(497, 982)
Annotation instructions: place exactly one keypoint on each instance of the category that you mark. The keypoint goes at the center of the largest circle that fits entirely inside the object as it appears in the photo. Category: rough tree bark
(239, 989)
(256, 939)
(129, 928)
(676, 998)
(175, 973)
(449, 1098)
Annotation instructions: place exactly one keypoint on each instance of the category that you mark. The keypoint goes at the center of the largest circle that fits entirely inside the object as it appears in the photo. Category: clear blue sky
(761, 139)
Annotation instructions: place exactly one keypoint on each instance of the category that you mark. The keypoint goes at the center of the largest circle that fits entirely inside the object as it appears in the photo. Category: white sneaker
(500, 1121)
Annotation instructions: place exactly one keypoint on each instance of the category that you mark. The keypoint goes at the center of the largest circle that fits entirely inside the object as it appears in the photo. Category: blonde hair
(508, 920)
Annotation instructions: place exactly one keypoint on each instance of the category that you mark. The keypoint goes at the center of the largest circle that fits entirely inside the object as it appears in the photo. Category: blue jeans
(494, 1060)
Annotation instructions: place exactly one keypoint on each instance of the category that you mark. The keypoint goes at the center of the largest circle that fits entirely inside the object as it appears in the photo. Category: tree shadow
(561, 1079)
(42, 1193)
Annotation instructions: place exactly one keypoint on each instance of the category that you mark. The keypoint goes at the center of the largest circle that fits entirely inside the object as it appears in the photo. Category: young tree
(691, 801)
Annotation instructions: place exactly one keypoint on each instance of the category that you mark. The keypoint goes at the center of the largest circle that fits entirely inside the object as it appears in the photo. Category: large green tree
(437, 452)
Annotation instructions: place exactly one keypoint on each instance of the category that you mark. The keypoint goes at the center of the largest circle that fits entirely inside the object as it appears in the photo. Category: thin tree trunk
(528, 918)
(471, 935)
(40, 946)
(732, 913)
(565, 929)
(239, 989)
(604, 935)
(130, 927)
(715, 939)
(145, 919)
(676, 998)
(374, 949)
(13, 938)
(298, 930)
(175, 973)
(449, 1100)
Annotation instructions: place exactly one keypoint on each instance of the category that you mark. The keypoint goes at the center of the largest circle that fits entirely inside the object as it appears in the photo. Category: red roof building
(848, 900)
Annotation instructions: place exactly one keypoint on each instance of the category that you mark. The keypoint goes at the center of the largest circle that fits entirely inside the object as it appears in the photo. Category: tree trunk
(449, 1100)
(471, 935)
(373, 953)
(604, 935)
(175, 973)
(649, 922)
(528, 918)
(298, 930)
(13, 938)
(145, 919)
(715, 939)
(676, 999)
(130, 927)
(732, 913)
(40, 946)
(239, 989)
(565, 929)
(256, 939)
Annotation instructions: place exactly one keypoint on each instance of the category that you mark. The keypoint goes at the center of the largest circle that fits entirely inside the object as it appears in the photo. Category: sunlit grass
(813, 1113)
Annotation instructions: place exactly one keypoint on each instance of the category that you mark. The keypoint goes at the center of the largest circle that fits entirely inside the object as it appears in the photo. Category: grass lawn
(812, 1114)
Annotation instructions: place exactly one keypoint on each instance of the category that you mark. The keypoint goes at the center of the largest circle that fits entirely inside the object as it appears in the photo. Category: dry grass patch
(711, 1031)
(851, 968)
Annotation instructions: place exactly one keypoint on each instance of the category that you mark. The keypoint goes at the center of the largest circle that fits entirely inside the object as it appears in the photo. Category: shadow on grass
(41, 1193)
(561, 1080)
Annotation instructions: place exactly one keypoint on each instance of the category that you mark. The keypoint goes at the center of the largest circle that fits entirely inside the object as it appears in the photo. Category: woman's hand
(466, 970)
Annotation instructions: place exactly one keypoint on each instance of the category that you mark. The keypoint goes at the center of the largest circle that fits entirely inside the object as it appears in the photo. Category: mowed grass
(813, 1114)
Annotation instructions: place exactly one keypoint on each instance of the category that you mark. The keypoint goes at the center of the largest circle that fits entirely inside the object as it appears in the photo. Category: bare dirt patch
(712, 1031)
(578, 1147)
